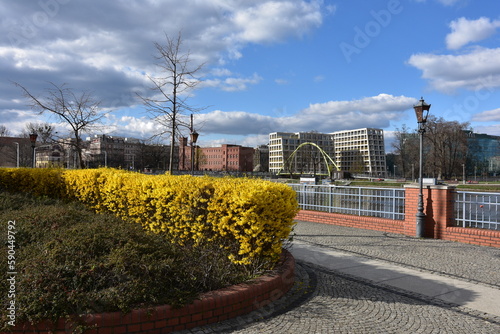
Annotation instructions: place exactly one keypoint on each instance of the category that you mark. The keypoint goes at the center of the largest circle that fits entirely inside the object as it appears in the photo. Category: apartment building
(359, 151)
(261, 159)
(107, 150)
(225, 158)
(129, 153)
(52, 155)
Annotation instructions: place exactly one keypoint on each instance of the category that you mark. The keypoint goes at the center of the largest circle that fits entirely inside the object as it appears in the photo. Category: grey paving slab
(480, 298)
(466, 262)
(360, 281)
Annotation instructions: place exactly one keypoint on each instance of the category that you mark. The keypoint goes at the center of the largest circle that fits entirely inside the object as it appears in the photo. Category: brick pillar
(411, 204)
(441, 210)
(438, 208)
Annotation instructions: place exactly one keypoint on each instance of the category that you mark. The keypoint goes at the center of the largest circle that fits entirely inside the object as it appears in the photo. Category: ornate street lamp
(33, 137)
(421, 111)
(194, 139)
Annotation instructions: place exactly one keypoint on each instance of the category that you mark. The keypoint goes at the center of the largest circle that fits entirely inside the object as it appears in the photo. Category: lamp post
(421, 111)
(194, 138)
(463, 173)
(33, 137)
(17, 154)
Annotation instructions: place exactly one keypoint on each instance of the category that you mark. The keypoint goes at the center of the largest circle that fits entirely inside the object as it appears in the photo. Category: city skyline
(293, 66)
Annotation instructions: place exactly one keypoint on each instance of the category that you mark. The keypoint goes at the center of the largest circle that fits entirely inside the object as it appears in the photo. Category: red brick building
(225, 158)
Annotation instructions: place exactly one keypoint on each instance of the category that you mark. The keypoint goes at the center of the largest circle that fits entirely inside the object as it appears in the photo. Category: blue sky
(282, 65)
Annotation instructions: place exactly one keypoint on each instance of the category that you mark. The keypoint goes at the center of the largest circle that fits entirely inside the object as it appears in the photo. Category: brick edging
(211, 307)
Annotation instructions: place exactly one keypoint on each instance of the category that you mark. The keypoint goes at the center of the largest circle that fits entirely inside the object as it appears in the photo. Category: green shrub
(255, 215)
(36, 181)
(72, 261)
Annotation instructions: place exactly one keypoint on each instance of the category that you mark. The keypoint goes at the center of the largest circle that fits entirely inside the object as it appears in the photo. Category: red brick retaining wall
(212, 307)
(439, 223)
(369, 223)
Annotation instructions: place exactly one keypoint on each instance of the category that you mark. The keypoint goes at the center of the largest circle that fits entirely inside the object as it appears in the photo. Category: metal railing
(478, 210)
(374, 202)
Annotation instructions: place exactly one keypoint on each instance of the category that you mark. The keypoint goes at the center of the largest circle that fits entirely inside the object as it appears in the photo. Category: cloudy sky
(282, 65)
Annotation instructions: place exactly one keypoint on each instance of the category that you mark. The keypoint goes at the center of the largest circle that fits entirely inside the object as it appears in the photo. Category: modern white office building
(359, 151)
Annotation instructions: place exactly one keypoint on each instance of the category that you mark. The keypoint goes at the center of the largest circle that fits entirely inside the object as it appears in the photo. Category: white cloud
(83, 45)
(131, 126)
(17, 120)
(448, 2)
(281, 81)
(376, 111)
(220, 72)
(478, 69)
(464, 31)
(254, 141)
(231, 84)
(487, 116)
(444, 2)
(252, 129)
(319, 78)
(382, 103)
(235, 122)
(273, 21)
(493, 130)
(29, 59)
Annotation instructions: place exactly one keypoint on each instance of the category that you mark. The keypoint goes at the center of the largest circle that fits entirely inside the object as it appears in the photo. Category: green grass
(378, 184)
(485, 186)
(489, 187)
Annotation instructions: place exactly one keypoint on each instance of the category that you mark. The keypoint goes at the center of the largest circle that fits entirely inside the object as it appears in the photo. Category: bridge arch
(329, 163)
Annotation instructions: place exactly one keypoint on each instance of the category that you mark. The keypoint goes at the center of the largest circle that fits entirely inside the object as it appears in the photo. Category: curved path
(359, 281)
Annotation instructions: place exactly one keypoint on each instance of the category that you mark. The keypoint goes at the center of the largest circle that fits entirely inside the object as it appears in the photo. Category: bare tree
(4, 132)
(154, 155)
(80, 111)
(178, 78)
(406, 148)
(45, 132)
(445, 148)
(448, 143)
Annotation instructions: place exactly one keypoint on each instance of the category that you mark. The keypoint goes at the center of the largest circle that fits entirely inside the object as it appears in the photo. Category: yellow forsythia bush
(254, 214)
(37, 181)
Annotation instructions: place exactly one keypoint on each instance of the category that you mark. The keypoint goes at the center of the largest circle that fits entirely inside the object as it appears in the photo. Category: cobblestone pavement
(325, 301)
(447, 258)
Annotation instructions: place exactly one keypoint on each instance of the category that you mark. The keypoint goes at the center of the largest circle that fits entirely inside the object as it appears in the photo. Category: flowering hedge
(253, 214)
(37, 181)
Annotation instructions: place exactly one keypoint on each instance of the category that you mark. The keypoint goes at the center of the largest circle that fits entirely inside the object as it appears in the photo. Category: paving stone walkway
(334, 300)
